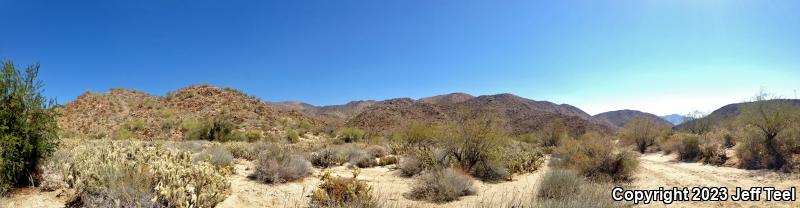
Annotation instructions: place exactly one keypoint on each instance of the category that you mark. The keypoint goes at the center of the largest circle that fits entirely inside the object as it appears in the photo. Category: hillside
(620, 117)
(448, 99)
(519, 114)
(726, 115)
(154, 117)
(332, 113)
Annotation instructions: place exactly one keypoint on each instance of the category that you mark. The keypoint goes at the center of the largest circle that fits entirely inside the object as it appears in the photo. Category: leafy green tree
(27, 125)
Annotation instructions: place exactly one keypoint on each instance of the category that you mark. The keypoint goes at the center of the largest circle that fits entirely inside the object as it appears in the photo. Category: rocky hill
(726, 115)
(619, 118)
(519, 114)
(448, 99)
(155, 117)
(331, 113)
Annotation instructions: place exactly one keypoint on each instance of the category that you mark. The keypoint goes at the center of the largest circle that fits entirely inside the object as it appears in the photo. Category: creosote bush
(278, 165)
(343, 192)
(595, 157)
(640, 132)
(442, 186)
(351, 134)
(27, 126)
(219, 128)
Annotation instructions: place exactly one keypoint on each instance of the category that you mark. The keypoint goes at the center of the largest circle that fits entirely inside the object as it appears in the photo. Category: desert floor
(656, 170)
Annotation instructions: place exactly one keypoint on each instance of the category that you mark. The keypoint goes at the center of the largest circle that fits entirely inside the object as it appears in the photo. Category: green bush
(477, 143)
(690, 148)
(220, 128)
(553, 133)
(122, 134)
(351, 134)
(415, 135)
(640, 132)
(442, 186)
(292, 136)
(28, 129)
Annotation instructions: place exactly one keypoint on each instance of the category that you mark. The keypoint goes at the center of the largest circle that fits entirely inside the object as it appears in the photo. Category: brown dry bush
(343, 192)
(217, 156)
(595, 157)
(641, 132)
(376, 151)
(278, 165)
(389, 160)
(442, 186)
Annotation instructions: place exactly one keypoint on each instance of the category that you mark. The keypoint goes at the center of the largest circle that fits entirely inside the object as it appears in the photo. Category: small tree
(553, 133)
(771, 118)
(27, 125)
(640, 131)
(697, 122)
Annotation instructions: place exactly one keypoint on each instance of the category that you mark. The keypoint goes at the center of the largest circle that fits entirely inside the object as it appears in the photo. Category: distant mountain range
(675, 119)
(102, 114)
(619, 118)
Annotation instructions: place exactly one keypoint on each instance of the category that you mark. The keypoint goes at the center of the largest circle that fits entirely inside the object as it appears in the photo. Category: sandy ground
(656, 171)
(33, 198)
(387, 184)
(659, 170)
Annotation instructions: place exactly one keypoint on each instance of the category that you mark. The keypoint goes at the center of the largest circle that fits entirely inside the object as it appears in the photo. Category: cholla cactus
(134, 174)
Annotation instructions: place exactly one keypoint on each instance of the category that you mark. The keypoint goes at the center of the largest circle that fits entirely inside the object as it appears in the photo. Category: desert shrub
(218, 156)
(361, 159)
(242, 150)
(670, 144)
(689, 149)
(28, 133)
(442, 186)
(773, 121)
(390, 160)
(376, 151)
(426, 159)
(518, 159)
(134, 124)
(552, 133)
(595, 157)
(277, 165)
(122, 134)
(750, 151)
(559, 183)
(343, 192)
(253, 135)
(410, 166)
(325, 158)
(219, 128)
(351, 134)
(476, 142)
(292, 136)
(713, 154)
(415, 135)
(565, 188)
(196, 146)
(490, 171)
(134, 174)
(640, 132)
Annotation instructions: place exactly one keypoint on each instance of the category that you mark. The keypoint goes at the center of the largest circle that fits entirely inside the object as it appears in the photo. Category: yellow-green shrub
(351, 134)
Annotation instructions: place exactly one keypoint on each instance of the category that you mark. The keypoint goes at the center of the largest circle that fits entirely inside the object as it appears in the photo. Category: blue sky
(659, 56)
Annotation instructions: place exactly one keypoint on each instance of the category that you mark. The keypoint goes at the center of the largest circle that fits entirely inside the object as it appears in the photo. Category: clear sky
(659, 56)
